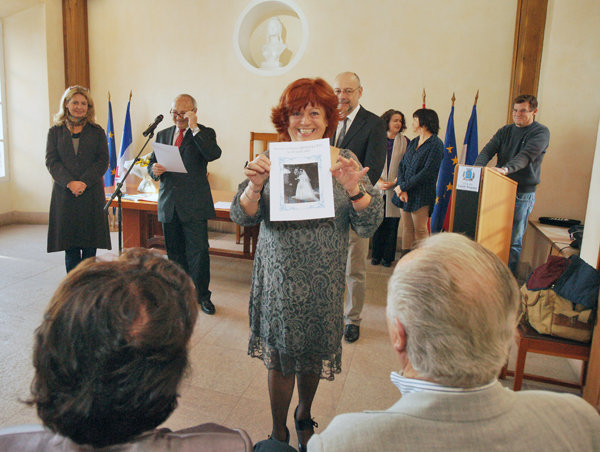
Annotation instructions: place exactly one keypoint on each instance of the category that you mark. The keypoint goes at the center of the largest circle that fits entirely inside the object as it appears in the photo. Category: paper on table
(169, 157)
(223, 205)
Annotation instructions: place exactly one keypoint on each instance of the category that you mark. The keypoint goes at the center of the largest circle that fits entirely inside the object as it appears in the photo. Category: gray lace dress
(297, 294)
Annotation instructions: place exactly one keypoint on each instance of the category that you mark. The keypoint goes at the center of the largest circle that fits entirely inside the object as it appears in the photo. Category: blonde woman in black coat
(77, 158)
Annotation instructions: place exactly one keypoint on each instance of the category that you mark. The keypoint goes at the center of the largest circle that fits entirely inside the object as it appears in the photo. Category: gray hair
(458, 303)
(186, 96)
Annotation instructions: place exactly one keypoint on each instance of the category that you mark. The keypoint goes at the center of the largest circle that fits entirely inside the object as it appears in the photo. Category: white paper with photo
(300, 180)
(169, 157)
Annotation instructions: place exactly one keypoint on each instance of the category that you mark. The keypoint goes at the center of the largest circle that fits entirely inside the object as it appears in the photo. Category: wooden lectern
(483, 206)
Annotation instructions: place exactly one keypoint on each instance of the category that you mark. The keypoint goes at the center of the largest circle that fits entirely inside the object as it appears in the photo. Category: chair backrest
(264, 138)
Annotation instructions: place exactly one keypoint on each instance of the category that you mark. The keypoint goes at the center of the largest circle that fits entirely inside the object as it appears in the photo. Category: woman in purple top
(385, 238)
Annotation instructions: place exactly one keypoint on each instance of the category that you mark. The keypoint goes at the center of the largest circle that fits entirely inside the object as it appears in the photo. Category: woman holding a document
(296, 300)
(77, 158)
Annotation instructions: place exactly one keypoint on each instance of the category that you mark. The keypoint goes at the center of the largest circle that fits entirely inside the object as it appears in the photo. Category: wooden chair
(529, 340)
(265, 139)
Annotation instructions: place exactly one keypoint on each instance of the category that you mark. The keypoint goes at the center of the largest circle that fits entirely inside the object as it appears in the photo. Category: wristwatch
(360, 194)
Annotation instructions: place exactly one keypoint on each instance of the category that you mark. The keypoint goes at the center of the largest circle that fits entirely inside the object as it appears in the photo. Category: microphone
(152, 126)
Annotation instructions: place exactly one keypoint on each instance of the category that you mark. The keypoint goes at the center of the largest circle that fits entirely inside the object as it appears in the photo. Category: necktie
(342, 133)
(179, 138)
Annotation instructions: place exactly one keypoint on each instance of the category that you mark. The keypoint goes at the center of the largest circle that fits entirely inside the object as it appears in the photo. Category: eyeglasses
(521, 111)
(178, 114)
(346, 91)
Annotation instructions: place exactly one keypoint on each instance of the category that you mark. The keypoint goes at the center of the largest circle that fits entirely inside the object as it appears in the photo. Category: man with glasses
(520, 148)
(185, 202)
(364, 133)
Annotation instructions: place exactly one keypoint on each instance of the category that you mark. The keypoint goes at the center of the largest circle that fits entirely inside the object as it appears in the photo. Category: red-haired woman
(296, 300)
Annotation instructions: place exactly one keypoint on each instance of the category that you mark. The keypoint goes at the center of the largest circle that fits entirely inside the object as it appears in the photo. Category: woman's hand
(76, 187)
(386, 185)
(403, 196)
(258, 171)
(346, 171)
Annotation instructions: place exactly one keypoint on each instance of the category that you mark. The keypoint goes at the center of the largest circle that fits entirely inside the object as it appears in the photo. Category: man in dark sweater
(520, 148)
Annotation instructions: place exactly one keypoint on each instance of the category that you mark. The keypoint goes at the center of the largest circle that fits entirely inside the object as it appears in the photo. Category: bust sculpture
(275, 46)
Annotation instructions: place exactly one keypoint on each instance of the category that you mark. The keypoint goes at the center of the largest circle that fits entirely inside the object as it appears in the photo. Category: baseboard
(23, 218)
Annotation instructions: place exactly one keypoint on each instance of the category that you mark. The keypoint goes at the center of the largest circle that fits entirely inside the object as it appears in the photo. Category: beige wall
(26, 69)
(396, 47)
(569, 97)
(134, 45)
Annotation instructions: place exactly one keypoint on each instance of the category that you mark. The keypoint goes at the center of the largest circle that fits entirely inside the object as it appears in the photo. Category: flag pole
(131, 94)
(453, 98)
(424, 95)
(476, 97)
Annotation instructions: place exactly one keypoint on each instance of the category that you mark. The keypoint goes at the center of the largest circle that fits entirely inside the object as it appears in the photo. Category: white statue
(275, 46)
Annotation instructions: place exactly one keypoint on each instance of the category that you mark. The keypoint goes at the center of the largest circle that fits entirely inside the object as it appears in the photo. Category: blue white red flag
(471, 145)
(126, 144)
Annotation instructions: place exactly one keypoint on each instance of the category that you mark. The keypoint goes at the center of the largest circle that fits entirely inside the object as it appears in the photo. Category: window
(3, 147)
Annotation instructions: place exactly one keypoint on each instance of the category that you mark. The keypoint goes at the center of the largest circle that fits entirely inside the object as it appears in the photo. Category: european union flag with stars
(446, 177)
(109, 177)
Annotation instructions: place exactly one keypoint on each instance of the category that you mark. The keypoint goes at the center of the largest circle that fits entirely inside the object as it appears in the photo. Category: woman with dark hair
(77, 158)
(417, 177)
(386, 235)
(296, 300)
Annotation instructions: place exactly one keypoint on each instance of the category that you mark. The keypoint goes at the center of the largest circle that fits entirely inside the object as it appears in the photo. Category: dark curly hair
(387, 117)
(428, 119)
(113, 347)
(298, 95)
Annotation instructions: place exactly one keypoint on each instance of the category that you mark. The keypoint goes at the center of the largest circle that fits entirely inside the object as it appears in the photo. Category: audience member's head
(113, 347)
(452, 308)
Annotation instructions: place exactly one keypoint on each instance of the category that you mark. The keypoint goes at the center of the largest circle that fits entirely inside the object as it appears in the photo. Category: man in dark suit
(364, 133)
(185, 202)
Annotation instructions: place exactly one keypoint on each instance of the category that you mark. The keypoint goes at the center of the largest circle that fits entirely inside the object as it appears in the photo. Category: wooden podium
(483, 206)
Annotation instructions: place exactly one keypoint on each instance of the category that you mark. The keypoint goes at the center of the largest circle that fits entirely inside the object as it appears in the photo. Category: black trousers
(384, 240)
(187, 244)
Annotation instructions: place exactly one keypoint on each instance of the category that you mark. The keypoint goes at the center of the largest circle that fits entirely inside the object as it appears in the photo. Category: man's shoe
(207, 307)
(375, 261)
(386, 264)
(352, 333)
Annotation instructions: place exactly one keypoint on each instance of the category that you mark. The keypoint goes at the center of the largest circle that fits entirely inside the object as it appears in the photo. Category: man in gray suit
(365, 134)
(452, 311)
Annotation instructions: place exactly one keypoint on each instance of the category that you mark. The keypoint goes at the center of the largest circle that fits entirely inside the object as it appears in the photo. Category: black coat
(77, 221)
(367, 138)
(189, 192)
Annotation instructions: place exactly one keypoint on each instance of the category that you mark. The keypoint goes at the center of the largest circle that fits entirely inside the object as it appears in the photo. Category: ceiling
(10, 7)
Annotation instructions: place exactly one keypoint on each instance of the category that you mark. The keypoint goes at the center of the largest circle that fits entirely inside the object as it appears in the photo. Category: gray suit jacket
(491, 419)
(367, 138)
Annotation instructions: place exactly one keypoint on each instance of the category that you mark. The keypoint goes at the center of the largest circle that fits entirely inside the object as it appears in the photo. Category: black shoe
(304, 425)
(207, 307)
(375, 261)
(386, 264)
(352, 333)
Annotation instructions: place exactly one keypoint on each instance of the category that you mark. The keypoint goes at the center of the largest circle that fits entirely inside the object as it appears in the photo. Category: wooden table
(141, 227)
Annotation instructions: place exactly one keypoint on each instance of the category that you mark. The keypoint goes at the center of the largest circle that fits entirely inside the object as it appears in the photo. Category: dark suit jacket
(367, 138)
(189, 192)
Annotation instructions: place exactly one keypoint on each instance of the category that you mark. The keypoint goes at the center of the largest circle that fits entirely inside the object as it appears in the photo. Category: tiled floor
(225, 385)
